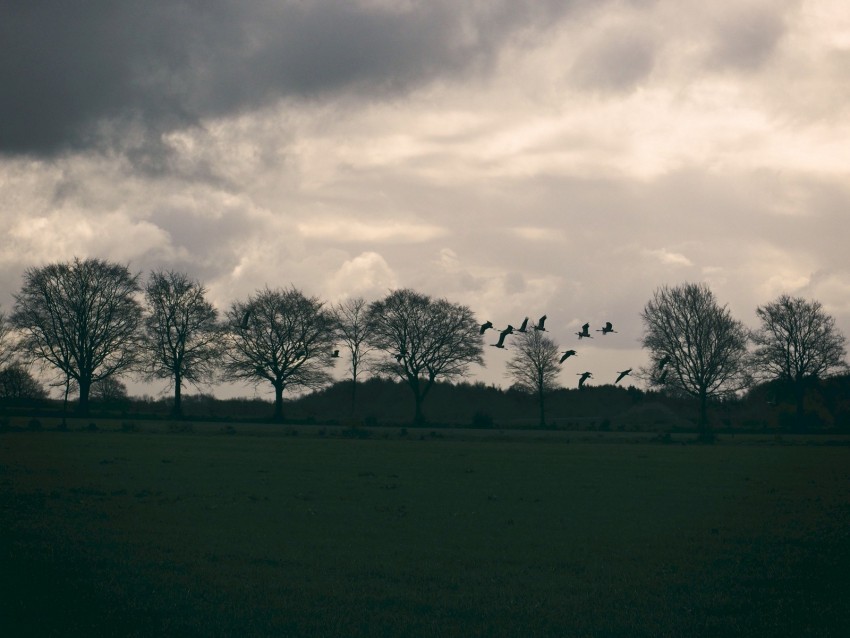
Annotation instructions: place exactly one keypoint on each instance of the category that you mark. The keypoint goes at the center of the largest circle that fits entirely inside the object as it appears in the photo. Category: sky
(521, 157)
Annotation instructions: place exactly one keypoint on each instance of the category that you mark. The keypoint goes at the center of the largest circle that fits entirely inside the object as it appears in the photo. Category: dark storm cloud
(73, 72)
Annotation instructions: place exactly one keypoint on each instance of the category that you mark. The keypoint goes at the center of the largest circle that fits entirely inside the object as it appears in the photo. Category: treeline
(91, 322)
(388, 403)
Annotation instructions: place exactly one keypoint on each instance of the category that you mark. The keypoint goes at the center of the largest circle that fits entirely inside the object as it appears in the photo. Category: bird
(606, 328)
(484, 327)
(245, 319)
(622, 374)
(524, 325)
(539, 324)
(663, 361)
(663, 377)
(584, 377)
(567, 355)
(504, 333)
(585, 332)
(335, 354)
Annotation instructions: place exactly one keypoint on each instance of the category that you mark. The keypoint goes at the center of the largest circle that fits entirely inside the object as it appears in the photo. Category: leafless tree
(703, 347)
(424, 340)
(534, 366)
(281, 337)
(183, 341)
(797, 344)
(6, 347)
(80, 317)
(352, 328)
(16, 382)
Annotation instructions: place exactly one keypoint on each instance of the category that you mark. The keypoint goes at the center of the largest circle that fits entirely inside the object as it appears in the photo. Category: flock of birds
(584, 333)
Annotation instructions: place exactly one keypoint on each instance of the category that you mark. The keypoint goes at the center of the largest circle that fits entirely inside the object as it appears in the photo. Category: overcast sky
(521, 157)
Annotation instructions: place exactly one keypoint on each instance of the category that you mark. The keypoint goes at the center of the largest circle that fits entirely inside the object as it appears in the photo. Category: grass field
(111, 533)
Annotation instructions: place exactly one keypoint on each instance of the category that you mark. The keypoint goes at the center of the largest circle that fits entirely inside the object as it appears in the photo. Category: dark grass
(108, 533)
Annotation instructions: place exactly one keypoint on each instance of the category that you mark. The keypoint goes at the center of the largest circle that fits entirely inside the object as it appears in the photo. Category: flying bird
(663, 377)
(585, 332)
(524, 325)
(606, 328)
(504, 333)
(622, 374)
(539, 325)
(567, 355)
(584, 377)
(335, 354)
(245, 319)
(663, 361)
(484, 327)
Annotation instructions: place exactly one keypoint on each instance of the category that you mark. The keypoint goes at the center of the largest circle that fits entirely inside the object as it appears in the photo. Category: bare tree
(352, 328)
(80, 317)
(425, 340)
(696, 347)
(534, 366)
(182, 337)
(281, 337)
(797, 344)
(16, 382)
(6, 348)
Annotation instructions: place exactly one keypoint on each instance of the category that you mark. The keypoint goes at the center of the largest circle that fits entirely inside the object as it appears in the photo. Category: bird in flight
(622, 374)
(335, 354)
(504, 333)
(567, 355)
(245, 319)
(484, 327)
(524, 325)
(663, 361)
(585, 332)
(540, 324)
(606, 328)
(663, 377)
(584, 377)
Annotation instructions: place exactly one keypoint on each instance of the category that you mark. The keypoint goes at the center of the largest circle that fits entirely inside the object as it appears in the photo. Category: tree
(6, 348)
(182, 337)
(80, 317)
(109, 390)
(696, 347)
(425, 339)
(16, 382)
(534, 366)
(280, 336)
(352, 328)
(797, 344)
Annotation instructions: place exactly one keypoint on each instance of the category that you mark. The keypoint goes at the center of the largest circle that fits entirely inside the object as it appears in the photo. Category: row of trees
(90, 321)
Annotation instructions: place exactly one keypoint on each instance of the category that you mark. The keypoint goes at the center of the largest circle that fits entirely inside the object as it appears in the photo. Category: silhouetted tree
(6, 347)
(282, 337)
(534, 366)
(109, 390)
(352, 328)
(80, 317)
(16, 382)
(702, 346)
(183, 341)
(797, 344)
(425, 339)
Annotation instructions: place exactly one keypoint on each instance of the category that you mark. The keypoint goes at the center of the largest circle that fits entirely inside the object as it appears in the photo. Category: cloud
(367, 275)
(348, 230)
(76, 75)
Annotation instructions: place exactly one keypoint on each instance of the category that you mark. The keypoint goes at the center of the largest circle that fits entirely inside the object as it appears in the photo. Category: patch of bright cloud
(343, 230)
(669, 258)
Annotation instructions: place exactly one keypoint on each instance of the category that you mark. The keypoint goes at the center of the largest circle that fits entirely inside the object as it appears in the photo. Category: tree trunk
(704, 434)
(85, 388)
(278, 402)
(542, 405)
(353, 397)
(178, 400)
(799, 405)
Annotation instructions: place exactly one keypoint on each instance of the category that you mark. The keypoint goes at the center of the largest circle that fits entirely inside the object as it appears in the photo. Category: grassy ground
(111, 533)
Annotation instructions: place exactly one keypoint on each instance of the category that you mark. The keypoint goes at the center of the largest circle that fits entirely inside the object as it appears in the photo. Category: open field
(140, 533)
